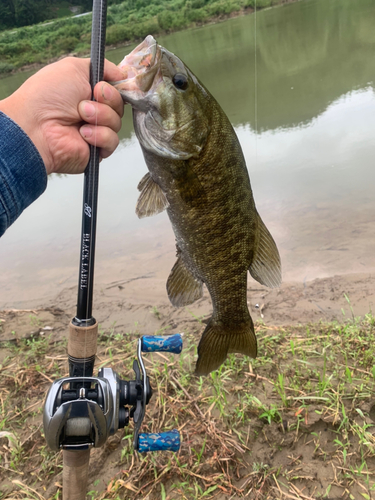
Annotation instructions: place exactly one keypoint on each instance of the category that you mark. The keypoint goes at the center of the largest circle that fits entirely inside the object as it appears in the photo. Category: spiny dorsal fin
(182, 287)
(266, 265)
(152, 200)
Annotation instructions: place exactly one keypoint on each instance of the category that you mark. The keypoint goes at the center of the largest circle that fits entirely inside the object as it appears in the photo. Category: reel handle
(166, 343)
(160, 441)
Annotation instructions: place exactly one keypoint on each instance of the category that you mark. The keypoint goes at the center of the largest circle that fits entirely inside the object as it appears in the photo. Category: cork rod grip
(75, 474)
(82, 341)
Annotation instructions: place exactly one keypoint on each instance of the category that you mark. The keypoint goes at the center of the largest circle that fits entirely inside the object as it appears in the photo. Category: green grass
(126, 22)
(62, 10)
(294, 423)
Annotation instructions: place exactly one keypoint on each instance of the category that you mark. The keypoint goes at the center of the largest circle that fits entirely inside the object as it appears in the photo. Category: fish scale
(197, 172)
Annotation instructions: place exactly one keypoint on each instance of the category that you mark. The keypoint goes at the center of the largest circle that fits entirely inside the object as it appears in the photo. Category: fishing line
(255, 84)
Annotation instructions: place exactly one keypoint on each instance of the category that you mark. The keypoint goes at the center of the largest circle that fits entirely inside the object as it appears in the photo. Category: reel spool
(82, 412)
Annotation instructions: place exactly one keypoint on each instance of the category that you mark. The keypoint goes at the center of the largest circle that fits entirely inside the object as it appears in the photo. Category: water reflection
(305, 57)
(309, 151)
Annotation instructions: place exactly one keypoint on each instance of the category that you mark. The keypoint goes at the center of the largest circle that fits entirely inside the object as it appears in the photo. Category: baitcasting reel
(82, 412)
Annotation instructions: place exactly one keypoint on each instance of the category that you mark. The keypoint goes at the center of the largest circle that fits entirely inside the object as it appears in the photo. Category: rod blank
(91, 177)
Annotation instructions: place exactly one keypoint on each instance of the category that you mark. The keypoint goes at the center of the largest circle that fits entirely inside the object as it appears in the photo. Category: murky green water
(297, 83)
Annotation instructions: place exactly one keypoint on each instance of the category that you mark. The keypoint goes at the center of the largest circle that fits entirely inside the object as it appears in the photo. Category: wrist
(17, 111)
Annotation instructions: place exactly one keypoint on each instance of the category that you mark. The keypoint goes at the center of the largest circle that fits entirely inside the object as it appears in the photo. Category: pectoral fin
(266, 265)
(182, 287)
(152, 200)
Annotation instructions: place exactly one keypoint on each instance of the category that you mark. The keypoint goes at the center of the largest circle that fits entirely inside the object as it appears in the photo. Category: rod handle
(159, 441)
(168, 343)
(75, 474)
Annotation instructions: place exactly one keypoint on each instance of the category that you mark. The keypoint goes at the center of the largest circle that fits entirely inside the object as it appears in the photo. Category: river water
(297, 82)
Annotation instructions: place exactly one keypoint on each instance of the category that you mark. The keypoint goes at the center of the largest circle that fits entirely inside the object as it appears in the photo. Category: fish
(198, 174)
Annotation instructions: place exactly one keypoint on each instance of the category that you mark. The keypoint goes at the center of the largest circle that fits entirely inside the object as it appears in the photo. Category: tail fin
(218, 340)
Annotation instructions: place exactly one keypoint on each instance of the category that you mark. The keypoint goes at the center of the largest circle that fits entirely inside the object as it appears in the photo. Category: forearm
(23, 176)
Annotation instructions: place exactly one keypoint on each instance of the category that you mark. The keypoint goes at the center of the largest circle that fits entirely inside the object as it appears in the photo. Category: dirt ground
(130, 303)
(285, 457)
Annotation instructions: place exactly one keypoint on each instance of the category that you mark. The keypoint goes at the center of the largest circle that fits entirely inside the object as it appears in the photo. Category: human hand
(52, 105)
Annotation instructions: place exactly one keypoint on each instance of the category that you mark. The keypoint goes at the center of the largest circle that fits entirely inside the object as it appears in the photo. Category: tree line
(17, 13)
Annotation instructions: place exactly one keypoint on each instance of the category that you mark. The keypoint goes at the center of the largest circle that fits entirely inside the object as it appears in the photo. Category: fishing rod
(82, 411)
(83, 329)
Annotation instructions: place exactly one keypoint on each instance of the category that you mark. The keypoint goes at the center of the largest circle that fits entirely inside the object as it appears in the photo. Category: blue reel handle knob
(161, 441)
(167, 343)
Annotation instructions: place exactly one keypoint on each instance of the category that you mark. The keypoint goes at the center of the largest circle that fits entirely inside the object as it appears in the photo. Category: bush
(12, 49)
(196, 15)
(165, 19)
(110, 20)
(118, 33)
(147, 28)
(6, 67)
(67, 44)
(73, 31)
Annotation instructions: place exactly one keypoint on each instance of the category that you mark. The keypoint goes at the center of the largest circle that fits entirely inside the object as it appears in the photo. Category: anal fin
(183, 289)
(266, 265)
(152, 200)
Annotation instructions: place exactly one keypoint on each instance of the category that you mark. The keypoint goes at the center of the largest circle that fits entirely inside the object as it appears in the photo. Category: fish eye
(180, 81)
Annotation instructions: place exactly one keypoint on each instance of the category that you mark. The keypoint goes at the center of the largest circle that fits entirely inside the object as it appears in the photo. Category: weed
(155, 311)
(272, 414)
(280, 387)
(35, 321)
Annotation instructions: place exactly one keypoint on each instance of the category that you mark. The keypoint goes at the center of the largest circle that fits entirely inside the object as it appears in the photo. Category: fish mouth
(139, 68)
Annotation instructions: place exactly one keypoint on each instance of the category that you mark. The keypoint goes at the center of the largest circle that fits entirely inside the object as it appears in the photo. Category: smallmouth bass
(197, 172)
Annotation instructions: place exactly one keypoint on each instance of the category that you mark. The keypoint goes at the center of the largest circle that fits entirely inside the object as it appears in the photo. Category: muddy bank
(277, 442)
(140, 305)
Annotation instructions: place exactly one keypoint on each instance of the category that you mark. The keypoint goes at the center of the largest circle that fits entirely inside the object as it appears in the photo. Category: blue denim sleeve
(23, 176)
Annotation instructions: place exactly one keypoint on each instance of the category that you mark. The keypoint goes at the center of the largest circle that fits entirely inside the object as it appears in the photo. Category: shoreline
(141, 304)
(198, 24)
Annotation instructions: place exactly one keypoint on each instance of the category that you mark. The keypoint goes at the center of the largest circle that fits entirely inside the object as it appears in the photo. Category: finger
(102, 137)
(99, 114)
(105, 93)
(111, 72)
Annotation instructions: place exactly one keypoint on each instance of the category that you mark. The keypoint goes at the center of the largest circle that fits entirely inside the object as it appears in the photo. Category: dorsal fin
(266, 265)
(152, 200)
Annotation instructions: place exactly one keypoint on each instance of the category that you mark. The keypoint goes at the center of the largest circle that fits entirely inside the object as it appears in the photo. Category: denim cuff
(23, 176)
